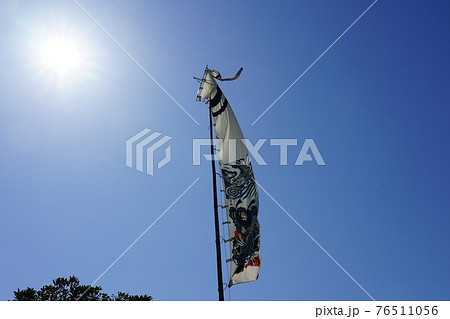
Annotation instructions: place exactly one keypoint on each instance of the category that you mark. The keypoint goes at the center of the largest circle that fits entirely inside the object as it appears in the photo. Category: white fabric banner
(241, 193)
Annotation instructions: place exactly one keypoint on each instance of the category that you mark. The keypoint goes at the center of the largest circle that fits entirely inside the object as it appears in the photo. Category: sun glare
(60, 55)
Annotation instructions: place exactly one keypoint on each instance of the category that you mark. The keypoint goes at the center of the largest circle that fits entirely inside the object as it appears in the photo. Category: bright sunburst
(60, 55)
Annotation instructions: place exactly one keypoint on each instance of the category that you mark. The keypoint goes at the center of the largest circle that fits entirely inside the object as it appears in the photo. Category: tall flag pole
(241, 192)
(216, 215)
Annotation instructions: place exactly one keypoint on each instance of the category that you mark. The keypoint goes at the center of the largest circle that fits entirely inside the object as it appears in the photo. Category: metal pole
(216, 214)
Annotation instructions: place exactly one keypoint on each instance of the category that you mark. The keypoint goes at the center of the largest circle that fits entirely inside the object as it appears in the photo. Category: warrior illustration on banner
(239, 183)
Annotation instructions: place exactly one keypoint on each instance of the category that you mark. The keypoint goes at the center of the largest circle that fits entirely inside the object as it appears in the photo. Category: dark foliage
(64, 289)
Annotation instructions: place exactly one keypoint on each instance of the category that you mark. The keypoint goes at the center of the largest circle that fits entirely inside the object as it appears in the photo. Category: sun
(60, 55)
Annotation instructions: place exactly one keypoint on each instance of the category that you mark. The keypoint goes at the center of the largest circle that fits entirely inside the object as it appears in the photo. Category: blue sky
(376, 105)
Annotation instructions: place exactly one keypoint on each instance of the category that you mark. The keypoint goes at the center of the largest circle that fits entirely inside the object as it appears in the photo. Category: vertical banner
(241, 192)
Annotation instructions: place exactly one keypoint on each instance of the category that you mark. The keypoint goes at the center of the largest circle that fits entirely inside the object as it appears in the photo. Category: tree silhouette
(64, 289)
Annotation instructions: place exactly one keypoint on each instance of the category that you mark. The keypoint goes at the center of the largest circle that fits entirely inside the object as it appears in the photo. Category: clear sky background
(376, 105)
